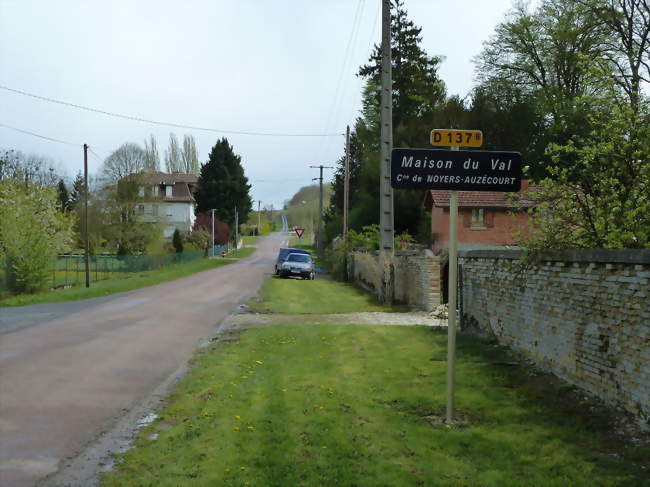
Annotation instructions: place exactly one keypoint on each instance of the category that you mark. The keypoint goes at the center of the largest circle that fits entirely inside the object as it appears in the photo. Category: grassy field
(103, 288)
(363, 406)
(242, 253)
(315, 297)
(250, 239)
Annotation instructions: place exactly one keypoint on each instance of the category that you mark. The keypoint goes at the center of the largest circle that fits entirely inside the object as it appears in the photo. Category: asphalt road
(68, 371)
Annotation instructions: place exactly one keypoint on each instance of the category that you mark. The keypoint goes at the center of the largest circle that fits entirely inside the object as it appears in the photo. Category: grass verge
(315, 297)
(242, 253)
(112, 286)
(362, 406)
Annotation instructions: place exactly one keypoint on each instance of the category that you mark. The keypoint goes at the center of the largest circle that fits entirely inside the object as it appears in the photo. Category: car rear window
(298, 258)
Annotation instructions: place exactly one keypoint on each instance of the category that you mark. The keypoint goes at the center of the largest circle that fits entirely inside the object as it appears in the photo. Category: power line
(165, 124)
(33, 134)
(344, 65)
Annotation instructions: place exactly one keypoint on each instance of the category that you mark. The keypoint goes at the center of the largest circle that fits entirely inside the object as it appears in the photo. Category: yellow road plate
(465, 138)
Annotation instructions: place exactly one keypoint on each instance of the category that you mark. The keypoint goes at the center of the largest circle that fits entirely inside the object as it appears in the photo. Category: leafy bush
(32, 232)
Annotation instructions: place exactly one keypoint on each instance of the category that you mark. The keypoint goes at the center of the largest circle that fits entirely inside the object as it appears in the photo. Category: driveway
(68, 371)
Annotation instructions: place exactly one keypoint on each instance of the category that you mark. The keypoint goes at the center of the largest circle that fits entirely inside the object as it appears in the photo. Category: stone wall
(413, 277)
(583, 315)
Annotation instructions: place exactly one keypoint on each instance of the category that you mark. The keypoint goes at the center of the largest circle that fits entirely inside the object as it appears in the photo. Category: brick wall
(414, 276)
(500, 227)
(583, 315)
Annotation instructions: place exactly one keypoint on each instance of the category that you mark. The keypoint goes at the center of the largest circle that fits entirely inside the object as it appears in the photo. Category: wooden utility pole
(346, 188)
(259, 228)
(86, 244)
(386, 229)
(212, 210)
(236, 229)
(319, 234)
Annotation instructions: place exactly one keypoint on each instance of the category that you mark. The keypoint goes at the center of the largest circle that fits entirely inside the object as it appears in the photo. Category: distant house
(169, 200)
(485, 219)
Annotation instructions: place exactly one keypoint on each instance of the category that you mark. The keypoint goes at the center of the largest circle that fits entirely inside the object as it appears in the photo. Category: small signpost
(299, 231)
(455, 170)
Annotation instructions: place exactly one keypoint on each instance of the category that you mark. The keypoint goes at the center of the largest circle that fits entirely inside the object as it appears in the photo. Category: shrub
(32, 232)
(177, 241)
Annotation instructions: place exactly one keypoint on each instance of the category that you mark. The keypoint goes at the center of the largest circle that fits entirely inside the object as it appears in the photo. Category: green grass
(361, 406)
(250, 239)
(315, 297)
(242, 253)
(111, 286)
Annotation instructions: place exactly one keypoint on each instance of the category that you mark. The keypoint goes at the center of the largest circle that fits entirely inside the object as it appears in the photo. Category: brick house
(168, 199)
(485, 219)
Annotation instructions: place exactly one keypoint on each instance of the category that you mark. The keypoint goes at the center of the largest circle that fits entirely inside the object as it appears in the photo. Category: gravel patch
(256, 320)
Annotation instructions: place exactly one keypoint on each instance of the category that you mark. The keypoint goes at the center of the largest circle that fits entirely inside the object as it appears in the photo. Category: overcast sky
(240, 65)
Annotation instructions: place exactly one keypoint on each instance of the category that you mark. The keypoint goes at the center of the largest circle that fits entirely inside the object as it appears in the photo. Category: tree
(77, 192)
(547, 57)
(604, 202)
(222, 185)
(32, 232)
(120, 225)
(63, 196)
(177, 241)
(173, 157)
(128, 159)
(417, 91)
(189, 156)
(627, 48)
(16, 165)
(151, 156)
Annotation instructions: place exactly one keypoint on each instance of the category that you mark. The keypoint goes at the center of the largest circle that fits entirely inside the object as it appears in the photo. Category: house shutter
(467, 217)
(489, 219)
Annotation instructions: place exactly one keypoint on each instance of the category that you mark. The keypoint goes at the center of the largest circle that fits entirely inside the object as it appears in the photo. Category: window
(478, 218)
(169, 210)
(141, 192)
(168, 190)
(140, 209)
(155, 190)
(154, 210)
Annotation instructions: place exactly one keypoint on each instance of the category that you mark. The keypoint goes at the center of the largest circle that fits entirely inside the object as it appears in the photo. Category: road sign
(456, 170)
(465, 138)
(299, 231)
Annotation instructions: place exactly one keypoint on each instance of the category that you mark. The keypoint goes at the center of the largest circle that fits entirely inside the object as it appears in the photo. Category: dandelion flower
(259, 362)
(242, 468)
(236, 428)
(237, 417)
(251, 428)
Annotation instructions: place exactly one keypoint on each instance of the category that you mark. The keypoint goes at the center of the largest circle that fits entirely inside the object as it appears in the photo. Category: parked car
(282, 256)
(298, 265)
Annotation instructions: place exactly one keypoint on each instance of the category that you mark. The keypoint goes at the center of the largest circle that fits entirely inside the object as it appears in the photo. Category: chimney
(524, 185)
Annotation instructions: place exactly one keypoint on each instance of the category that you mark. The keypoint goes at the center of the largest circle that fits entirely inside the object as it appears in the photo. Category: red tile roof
(481, 199)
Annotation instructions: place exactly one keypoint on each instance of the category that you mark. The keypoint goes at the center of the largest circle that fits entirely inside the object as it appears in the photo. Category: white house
(169, 200)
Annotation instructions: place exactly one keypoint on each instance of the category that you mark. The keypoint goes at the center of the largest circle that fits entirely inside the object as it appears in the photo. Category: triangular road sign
(299, 231)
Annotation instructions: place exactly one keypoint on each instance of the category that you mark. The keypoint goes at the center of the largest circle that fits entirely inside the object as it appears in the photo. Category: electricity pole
(259, 228)
(86, 244)
(319, 235)
(385, 190)
(236, 230)
(212, 210)
(346, 188)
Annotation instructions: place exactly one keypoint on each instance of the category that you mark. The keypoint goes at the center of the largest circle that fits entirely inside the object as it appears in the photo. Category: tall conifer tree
(222, 185)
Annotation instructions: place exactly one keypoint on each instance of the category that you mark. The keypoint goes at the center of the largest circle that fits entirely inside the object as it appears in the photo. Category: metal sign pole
(453, 278)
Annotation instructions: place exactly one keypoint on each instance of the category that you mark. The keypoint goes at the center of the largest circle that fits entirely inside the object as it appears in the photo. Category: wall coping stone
(610, 256)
